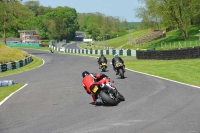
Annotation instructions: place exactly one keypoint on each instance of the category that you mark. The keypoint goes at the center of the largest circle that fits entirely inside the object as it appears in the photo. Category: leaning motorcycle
(103, 65)
(107, 92)
(51, 50)
(120, 69)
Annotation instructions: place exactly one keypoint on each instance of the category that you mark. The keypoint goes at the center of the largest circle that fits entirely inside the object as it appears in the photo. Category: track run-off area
(54, 101)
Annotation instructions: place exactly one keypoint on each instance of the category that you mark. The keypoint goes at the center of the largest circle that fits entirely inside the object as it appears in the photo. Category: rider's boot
(99, 101)
(117, 72)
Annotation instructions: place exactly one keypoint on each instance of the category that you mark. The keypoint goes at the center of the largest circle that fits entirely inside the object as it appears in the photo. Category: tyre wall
(14, 65)
(183, 53)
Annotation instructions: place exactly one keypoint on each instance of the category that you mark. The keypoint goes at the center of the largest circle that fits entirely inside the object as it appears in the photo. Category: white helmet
(116, 55)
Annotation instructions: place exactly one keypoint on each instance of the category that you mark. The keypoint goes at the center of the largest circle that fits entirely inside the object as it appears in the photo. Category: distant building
(13, 40)
(29, 36)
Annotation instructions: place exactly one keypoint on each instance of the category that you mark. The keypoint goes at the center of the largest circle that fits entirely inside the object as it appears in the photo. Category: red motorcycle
(107, 92)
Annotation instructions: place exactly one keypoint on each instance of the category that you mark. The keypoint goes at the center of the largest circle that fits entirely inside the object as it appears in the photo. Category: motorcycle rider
(89, 79)
(51, 50)
(115, 60)
(101, 59)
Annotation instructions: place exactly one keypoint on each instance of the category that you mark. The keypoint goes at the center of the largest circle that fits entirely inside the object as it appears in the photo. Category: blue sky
(125, 9)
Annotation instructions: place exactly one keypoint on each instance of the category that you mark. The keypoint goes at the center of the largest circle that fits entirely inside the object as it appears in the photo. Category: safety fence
(182, 53)
(16, 64)
(98, 52)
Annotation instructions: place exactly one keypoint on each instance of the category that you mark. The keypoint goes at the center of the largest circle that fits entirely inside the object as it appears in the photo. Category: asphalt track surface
(79, 39)
(54, 101)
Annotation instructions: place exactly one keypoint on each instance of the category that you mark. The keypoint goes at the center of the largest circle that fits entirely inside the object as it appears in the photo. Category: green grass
(7, 90)
(9, 54)
(186, 71)
(173, 39)
(122, 40)
(35, 63)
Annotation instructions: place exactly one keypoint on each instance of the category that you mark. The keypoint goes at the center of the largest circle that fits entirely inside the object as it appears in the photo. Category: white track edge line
(12, 94)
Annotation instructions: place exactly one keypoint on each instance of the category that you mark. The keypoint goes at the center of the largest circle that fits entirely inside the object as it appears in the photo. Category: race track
(54, 101)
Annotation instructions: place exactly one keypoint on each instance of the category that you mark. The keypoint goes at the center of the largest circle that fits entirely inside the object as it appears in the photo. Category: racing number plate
(103, 64)
(95, 89)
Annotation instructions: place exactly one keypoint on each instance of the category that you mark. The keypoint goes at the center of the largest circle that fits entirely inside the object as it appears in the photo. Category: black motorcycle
(103, 65)
(120, 68)
(51, 50)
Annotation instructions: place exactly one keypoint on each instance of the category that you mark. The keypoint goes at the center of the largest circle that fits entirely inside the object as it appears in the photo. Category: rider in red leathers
(89, 79)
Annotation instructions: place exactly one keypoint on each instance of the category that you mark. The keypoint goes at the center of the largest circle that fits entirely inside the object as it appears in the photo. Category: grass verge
(186, 71)
(35, 63)
(7, 90)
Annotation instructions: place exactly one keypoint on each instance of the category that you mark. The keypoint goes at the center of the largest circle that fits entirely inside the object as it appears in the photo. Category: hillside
(173, 39)
(9, 54)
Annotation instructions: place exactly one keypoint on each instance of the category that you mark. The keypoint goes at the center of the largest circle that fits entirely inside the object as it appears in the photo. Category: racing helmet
(85, 73)
(116, 55)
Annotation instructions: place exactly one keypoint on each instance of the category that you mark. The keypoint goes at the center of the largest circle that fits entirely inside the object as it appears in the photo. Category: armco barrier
(105, 52)
(183, 53)
(98, 52)
(14, 65)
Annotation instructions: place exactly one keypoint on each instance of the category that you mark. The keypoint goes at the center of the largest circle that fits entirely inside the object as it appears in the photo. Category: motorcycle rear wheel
(107, 99)
(103, 68)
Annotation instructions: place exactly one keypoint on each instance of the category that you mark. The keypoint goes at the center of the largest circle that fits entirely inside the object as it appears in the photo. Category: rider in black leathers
(101, 59)
(116, 59)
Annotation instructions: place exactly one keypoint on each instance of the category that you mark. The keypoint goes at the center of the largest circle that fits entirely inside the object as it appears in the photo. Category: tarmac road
(54, 101)
(78, 39)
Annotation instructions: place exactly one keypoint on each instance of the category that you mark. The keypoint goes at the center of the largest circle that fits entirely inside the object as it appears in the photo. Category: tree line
(62, 22)
(56, 23)
(52, 23)
(170, 14)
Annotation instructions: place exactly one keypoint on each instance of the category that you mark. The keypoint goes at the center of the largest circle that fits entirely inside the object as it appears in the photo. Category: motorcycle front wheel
(121, 72)
(103, 68)
(120, 96)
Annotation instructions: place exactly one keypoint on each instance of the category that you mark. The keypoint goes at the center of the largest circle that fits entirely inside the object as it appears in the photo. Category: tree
(171, 13)
(99, 26)
(56, 28)
(12, 14)
(181, 12)
(32, 5)
(61, 21)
